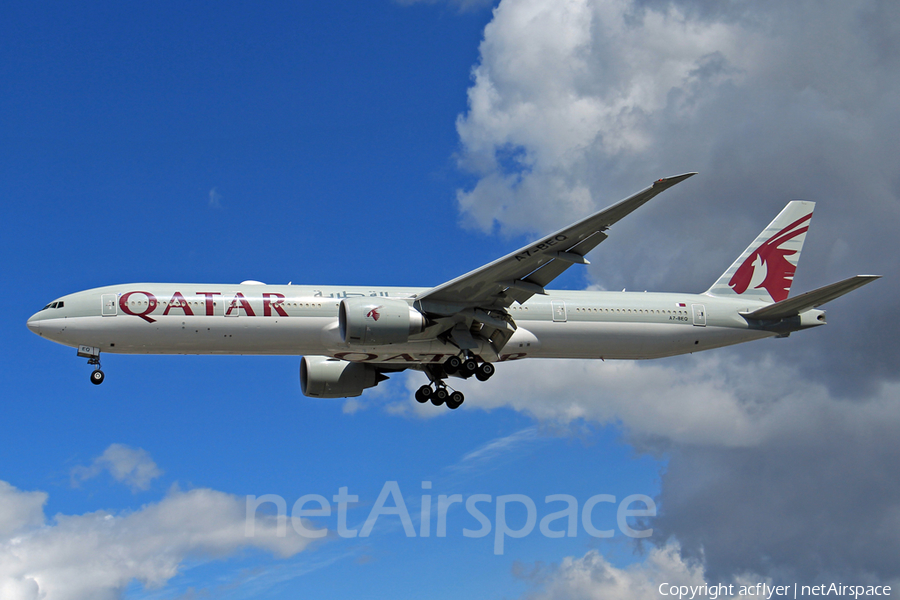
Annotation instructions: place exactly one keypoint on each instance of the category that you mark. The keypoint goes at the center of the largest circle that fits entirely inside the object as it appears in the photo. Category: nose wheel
(93, 356)
(97, 376)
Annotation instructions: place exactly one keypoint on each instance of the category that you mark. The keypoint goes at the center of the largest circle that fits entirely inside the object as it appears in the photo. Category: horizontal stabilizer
(794, 306)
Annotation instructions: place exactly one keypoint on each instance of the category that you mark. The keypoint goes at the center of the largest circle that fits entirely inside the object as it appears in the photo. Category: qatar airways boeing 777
(351, 338)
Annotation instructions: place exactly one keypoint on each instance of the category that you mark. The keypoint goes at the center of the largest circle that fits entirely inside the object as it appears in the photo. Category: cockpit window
(54, 305)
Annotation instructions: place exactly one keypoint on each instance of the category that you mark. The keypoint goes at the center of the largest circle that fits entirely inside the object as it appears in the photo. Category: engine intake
(376, 321)
(324, 377)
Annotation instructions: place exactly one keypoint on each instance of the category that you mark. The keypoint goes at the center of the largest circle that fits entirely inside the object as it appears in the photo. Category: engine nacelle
(324, 377)
(375, 321)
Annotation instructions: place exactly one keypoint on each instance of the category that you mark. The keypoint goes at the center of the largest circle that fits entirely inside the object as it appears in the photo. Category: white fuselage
(151, 318)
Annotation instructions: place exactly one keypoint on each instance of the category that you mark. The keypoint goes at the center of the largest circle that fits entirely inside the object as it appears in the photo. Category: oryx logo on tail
(768, 267)
(765, 270)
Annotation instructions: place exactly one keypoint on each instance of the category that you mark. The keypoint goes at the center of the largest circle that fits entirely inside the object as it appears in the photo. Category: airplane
(351, 338)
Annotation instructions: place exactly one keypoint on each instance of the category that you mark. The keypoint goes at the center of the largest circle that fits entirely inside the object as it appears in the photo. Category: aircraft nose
(34, 324)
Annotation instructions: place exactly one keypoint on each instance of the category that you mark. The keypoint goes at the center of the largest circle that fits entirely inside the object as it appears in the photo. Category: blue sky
(311, 143)
(405, 144)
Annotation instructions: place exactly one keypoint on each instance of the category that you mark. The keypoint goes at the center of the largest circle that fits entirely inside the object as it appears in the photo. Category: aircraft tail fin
(765, 270)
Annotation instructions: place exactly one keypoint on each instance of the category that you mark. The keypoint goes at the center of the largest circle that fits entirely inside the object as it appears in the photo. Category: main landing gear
(438, 392)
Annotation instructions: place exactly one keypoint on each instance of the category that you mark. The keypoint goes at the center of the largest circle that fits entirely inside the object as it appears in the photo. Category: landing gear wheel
(469, 367)
(452, 365)
(440, 396)
(423, 394)
(97, 377)
(485, 371)
(455, 400)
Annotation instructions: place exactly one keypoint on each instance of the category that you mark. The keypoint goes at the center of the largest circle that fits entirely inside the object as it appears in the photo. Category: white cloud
(577, 103)
(496, 454)
(19, 510)
(564, 85)
(131, 466)
(96, 555)
(592, 577)
(718, 398)
(488, 452)
(751, 443)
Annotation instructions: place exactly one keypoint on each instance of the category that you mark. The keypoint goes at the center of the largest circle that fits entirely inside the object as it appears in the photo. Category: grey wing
(521, 274)
(470, 311)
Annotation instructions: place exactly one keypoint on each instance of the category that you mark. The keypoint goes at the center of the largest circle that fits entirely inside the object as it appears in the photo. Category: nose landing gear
(97, 375)
(93, 356)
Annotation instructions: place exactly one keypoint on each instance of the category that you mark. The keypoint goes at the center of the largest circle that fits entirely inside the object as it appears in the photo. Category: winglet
(667, 182)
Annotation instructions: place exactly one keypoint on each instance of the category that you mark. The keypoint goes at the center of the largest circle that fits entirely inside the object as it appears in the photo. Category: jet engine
(374, 321)
(324, 377)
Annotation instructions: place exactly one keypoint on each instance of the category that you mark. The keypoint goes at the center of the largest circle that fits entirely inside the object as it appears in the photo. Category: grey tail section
(809, 300)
